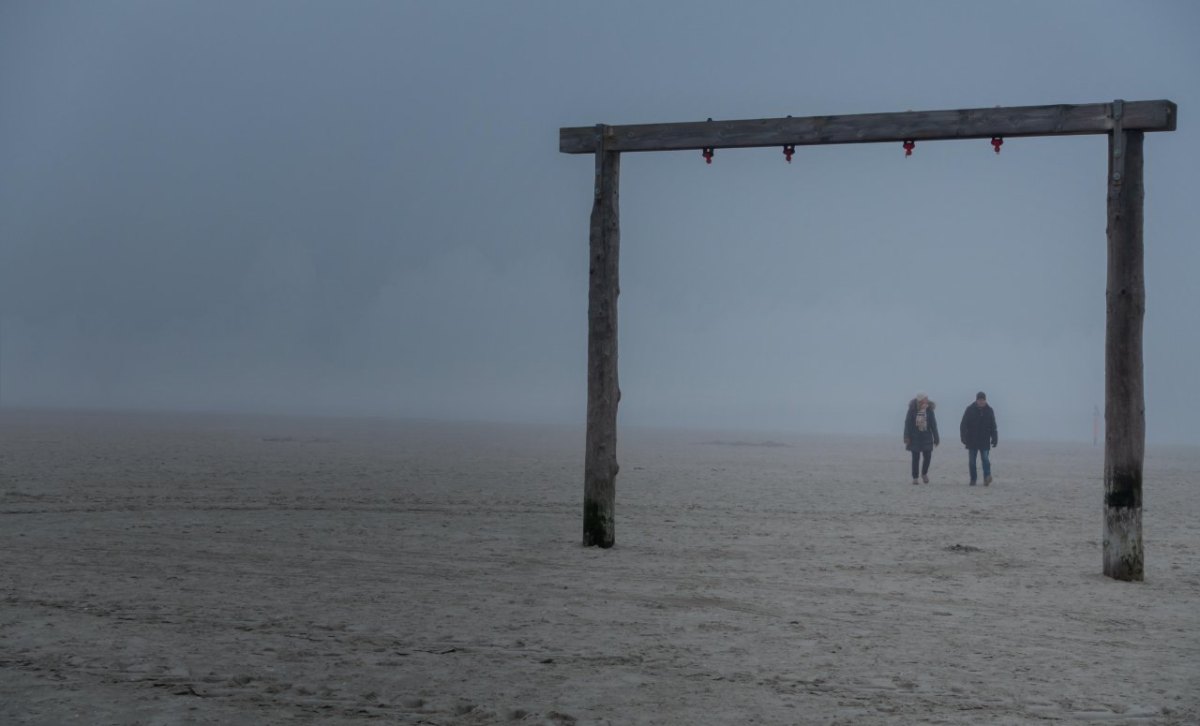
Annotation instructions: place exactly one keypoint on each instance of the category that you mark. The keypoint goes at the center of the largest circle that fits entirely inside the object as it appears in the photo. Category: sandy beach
(203, 569)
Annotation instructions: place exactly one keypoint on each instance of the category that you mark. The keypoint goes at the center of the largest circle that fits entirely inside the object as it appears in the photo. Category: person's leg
(971, 463)
(986, 459)
(915, 458)
(925, 463)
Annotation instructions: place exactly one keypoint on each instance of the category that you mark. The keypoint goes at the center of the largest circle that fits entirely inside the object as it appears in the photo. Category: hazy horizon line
(698, 429)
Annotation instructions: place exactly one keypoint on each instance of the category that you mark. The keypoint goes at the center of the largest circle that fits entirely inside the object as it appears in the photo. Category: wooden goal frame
(1125, 124)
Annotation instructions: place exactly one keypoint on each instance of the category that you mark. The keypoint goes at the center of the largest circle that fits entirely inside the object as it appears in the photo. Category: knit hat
(980, 395)
(922, 396)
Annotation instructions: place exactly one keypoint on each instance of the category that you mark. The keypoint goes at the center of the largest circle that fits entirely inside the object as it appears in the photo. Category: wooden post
(1124, 399)
(603, 394)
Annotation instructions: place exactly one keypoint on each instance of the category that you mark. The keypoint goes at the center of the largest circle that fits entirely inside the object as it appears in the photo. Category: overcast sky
(360, 208)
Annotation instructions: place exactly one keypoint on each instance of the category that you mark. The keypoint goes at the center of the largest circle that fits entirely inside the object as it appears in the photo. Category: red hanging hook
(997, 141)
(909, 144)
(788, 150)
(707, 153)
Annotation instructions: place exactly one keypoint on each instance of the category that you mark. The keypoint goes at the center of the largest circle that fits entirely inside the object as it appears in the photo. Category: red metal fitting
(909, 144)
(788, 150)
(708, 154)
(997, 141)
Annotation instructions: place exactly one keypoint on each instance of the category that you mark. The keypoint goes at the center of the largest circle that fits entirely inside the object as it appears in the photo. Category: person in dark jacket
(978, 434)
(921, 434)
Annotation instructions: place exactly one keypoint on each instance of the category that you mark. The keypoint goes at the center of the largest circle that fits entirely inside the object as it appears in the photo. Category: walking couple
(977, 432)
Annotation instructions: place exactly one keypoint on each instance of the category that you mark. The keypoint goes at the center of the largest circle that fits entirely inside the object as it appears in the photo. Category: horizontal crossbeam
(971, 123)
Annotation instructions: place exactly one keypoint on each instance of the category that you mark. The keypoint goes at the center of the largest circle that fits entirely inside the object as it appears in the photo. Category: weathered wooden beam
(971, 123)
(603, 391)
(1124, 395)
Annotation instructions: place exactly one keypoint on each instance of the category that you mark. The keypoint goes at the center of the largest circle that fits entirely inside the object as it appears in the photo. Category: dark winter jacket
(915, 439)
(978, 427)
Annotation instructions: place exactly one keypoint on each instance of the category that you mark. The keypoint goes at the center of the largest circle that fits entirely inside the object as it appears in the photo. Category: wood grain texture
(972, 123)
(603, 391)
(1124, 397)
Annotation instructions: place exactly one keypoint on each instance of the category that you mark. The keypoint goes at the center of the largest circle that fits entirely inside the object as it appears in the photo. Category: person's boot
(925, 478)
(916, 480)
(987, 480)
